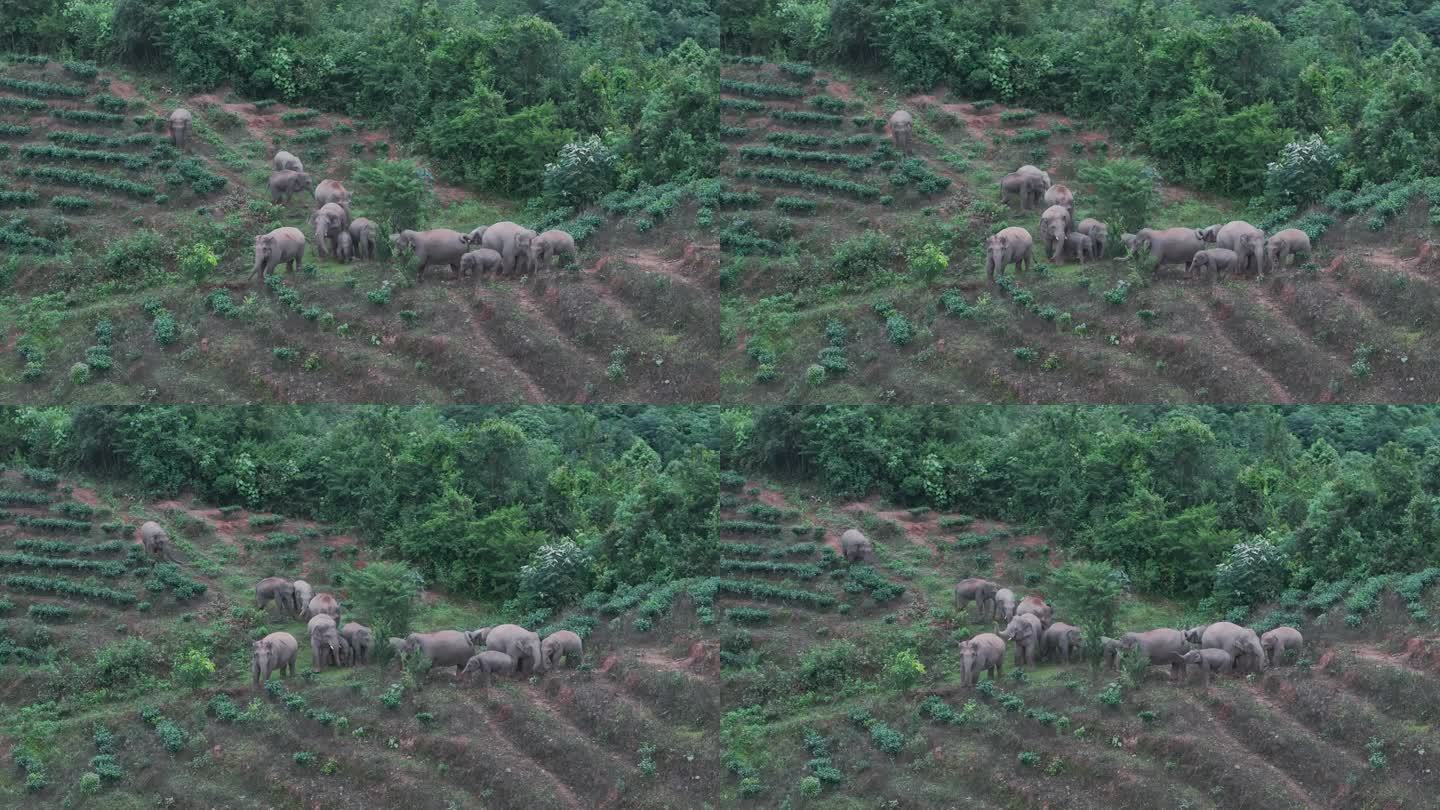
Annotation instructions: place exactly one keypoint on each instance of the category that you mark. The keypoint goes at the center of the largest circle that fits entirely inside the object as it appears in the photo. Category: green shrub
(42, 89)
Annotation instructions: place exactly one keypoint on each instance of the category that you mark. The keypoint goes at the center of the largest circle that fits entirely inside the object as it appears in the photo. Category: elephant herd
(1221, 647)
(502, 650)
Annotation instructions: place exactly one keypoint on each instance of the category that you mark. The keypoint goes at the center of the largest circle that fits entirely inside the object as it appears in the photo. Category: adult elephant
(273, 653)
(1276, 642)
(1005, 602)
(1241, 642)
(561, 645)
(324, 604)
(512, 242)
(902, 126)
(361, 640)
(1208, 233)
(436, 246)
(276, 590)
(329, 222)
(1061, 196)
(1211, 662)
(1036, 607)
(1011, 245)
(486, 664)
(285, 183)
(855, 546)
(303, 594)
(332, 191)
(1029, 188)
(980, 591)
(280, 246)
(1170, 246)
(180, 128)
(1215, 260)
(983, 652)
(284, 161)
(445, 648)
(550, 245)
(1247, 241)
(156, 542)
(1160, 646)
(518, 643)
(1098, 232)
(1281, 246)
(1060, 642)
(362, 236)
(1025, 631)
(1035, 171)
(1054, 227)
(324, 642)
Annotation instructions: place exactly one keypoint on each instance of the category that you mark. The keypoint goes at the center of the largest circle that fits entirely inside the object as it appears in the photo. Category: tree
(1127, 191)
(399, 192)
(1088, 593)
(383, 596)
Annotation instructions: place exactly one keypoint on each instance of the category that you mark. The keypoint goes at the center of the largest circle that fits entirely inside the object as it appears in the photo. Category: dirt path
(1278, 394)
(1242, 752)
(482, 347)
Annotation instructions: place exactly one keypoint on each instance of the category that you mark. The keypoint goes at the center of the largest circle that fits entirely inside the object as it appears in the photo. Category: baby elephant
(1079, 247)
(1277, 641)
(559, 645)
(1216, 661)
(488, 663)
(480, 261)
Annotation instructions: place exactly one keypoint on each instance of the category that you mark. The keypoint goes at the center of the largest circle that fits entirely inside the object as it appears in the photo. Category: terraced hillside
(127, 269)
(852, 275)
(126, 683)
(842, 684)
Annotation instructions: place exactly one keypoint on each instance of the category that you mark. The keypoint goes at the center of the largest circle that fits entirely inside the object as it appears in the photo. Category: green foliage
(87, 116)
(86, 179)
(1127, 191)
(71, 203)
(385, 596)
(760, 90)
(399, 193)
(42, 89)
(805, 117)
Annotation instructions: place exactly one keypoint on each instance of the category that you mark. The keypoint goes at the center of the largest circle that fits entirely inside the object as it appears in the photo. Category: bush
(197, 262)
(193, 669)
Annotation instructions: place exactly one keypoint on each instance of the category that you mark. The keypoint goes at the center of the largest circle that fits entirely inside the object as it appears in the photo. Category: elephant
(300, 605)
(273, 653)
(1110, 652)
(445, 648)
(1061, 196)
(323, 604)
(902, 125)
(1054, 227)
(344, 653)
(1208, 233)
(512, 242)
(1241, 642)
(1098, 233)
(1028, 187)
(1194, 634)
(156, 541)
(1025, 631)
(476, 237)
(438, 246)
(324, 641)
(362, 235)
(1009, 246)
(1247, 241)
(1036, 172)
(1210, 661)
(488, 663)
(548, 246)
(855, 546)
(332, 191)
(985, 651)
(1161, 646)
(477, 637)
(1276, 642)
(1004, 605)
(518, 643)
(397, 647)
(345, 247)
(285, 183)
(284, 161)
(1217, 260)
(275, 589)
(480, 261)
(1078, 246)
(1171, 245)
(328, 223)
(1130, 241)
(561, 645)
(1281, 246)
(280, 246)
(1060, 642)
(1036, 607)
(980, 591)
(360, 639)
(180, 128)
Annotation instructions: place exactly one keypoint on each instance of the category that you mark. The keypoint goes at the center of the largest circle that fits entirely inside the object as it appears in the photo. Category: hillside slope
(93, 674)
(825, 705)
(816, 309)
(635, 322)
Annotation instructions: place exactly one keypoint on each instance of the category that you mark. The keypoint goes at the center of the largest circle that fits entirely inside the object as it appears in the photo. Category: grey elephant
(1211, 662)
(1029, 188)
(324, 642)
(1247, 241)
(344, 653)
(284, 161)
(1209, 233)
(1079, 247)
(980, 591)
(518, 643)
(1170, 246)
(1131, 242)
(1060, 642)
(983, 652)
(1276, 642)
(476, 237)
(486, 664)
(1054, 227)
(323, 604)
(1036, 607)
(273, 653)
(332, 191)
(437, 246)
(397, 648)
(445, 648)
(855, 546)
(1281, 246)
(482, 261)
(1009, 246)
(512, 242)
(1110, 652)
(549, 246)
(280, 246)
(361, 640)
(345, 247)
(561, 645)
(477, 637)
(1026, 632)
(902, 125)
(362, 235)
(1160, 646)
(329, 222)
(300, 605)
(286, 183)
(1098, 232)
(1035, 171)
(1194, 634)
(180, 128)
(1061, 196)
(1241, 642)
(278, 590)
(156, 542)
(1215, 260)
(1005, 602)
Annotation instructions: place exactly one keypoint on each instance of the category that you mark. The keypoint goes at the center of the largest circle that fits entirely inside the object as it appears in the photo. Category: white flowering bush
(557, 574)
(582, 173)
(1304, 173)
(1252, 572)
